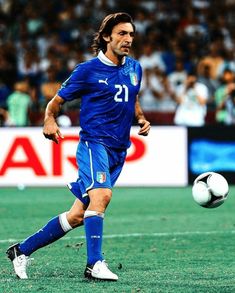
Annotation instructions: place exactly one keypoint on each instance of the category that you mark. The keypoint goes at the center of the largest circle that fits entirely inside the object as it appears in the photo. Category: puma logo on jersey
(104, 81)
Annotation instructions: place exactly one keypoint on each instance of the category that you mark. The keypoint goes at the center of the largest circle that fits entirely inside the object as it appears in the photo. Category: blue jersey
(108, 94)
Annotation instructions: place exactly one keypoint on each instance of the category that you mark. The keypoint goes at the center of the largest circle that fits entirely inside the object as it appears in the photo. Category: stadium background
(178, 247)
(39, 46)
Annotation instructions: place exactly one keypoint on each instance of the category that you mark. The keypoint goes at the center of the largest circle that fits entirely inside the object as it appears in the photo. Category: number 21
(120, 88)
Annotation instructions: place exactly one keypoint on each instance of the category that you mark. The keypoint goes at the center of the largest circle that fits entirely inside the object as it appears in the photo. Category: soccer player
(108, 85)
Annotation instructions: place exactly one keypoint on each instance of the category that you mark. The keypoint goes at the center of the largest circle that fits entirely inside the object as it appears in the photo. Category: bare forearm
(51, 129)
(138, 111)
(53, 109)
(143, 123)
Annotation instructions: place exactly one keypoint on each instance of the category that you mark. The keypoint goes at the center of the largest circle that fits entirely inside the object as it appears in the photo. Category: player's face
(120, 41)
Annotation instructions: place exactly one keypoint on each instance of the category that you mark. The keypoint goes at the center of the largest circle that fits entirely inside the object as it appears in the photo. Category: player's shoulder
(132, 62)
(86, 64)
(84, 68)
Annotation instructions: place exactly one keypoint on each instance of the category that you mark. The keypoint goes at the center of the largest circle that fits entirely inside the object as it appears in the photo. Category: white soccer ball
(210, 190)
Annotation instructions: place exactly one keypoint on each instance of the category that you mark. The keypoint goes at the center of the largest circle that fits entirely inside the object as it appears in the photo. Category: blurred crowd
(186, 49)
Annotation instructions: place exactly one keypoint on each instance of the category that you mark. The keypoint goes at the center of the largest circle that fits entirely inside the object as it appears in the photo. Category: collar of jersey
(106, 60)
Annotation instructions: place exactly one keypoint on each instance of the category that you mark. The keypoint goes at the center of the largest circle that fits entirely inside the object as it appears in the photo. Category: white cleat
(20, 261)
(100, 271)
(20, 264)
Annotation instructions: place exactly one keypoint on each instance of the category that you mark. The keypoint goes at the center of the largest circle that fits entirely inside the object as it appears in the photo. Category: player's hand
(144, 127)
(51, 131)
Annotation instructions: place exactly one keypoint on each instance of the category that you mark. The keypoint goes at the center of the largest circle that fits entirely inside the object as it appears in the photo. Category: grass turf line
(171, 263)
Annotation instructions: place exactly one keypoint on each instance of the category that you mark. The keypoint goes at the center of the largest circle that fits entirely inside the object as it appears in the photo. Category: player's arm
(51, 129)
(143, 123)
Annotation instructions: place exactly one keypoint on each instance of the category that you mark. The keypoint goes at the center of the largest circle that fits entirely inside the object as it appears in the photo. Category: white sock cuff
(88, 214)
(64, 222)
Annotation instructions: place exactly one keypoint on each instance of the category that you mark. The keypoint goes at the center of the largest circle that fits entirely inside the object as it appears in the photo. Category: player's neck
(116, 59)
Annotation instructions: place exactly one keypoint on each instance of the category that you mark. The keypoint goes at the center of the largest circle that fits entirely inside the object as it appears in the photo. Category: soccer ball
(210, 190)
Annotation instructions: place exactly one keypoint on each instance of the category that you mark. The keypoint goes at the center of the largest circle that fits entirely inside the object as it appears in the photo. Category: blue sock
(51, 232)
(94, 233)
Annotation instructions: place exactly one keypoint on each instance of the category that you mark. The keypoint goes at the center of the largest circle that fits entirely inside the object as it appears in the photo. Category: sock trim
(89, 213)
(64, 222)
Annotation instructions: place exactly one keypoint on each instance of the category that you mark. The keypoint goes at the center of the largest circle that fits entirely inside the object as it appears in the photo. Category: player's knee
(107, 197)
(99, 199)
(75, 220)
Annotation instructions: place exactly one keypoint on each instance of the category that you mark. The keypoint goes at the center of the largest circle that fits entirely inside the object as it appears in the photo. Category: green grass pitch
(155, 239)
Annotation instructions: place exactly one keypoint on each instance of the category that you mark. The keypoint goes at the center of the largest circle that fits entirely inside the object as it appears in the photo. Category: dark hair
(106, 28)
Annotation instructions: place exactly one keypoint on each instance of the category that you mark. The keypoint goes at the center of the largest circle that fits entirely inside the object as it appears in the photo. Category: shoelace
(24, 260)
(105, 263)
(29, 260)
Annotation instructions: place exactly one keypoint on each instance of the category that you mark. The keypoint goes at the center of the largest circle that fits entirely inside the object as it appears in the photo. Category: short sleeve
(73, 87)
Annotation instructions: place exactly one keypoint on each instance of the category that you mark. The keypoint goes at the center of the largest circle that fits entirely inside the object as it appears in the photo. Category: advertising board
(211, 148)
(28, 159)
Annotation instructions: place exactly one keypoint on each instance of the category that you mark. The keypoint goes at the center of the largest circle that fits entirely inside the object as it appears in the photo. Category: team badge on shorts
(134, 79)
(101, 177)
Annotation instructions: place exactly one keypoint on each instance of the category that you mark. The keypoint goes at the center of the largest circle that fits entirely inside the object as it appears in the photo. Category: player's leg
(94, 177)
(56, 228)
(93, 221)
(106, 167)
(99, 200)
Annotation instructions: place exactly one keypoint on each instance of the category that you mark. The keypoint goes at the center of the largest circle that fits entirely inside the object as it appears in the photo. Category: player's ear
(106, 37)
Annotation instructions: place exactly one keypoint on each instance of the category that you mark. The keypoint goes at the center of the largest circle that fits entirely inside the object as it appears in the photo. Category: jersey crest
(101, 177)
(133, 78)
